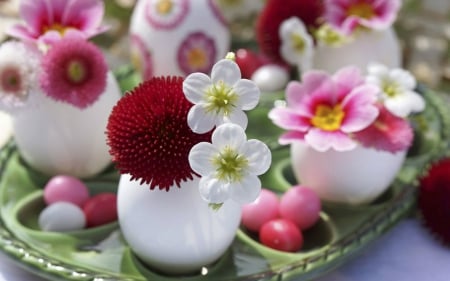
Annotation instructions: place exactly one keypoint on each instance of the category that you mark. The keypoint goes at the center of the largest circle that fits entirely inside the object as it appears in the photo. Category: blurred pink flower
(325, 110)
(388, 132)
(48, 20)
(74, 71)
(347, 15)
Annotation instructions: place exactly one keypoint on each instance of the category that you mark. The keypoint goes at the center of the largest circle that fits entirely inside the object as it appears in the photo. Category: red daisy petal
(148, 133)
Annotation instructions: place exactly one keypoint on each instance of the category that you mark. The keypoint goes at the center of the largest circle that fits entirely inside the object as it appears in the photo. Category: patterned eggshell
(177, 37)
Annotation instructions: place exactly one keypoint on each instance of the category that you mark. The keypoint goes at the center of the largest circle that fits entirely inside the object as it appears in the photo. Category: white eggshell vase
(175, 232)
(354, 177)
(57, 138)
(366, 47)
(177, 37)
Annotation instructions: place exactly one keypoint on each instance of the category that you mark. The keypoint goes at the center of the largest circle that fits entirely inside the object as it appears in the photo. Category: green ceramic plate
(101, 253)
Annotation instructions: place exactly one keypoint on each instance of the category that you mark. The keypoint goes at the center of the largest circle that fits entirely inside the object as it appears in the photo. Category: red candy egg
(301, 205)
(101, 209)
(281, 234)
(263, 209)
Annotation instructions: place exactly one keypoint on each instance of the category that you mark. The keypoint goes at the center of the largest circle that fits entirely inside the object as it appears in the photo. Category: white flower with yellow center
(297, 46)
(229, 166)
(397, 89)
(221, 98)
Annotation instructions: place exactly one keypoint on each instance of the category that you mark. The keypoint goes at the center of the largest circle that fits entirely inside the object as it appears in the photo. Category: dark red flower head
(275, 12)
(434, 199)
(148, 133)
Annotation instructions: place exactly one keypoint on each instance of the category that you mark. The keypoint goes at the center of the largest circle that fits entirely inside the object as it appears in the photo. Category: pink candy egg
(301, 205)
(64, 188)
(101, 209)
(263, 209)
(281, 234)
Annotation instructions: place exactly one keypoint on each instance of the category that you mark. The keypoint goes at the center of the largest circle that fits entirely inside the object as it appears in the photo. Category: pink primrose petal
(85, 15)
(323, 140)
(360, 109)
(289, 119)
(346, 79)
(21, 32)
(290, 137)
(388, 132)
(36, 14)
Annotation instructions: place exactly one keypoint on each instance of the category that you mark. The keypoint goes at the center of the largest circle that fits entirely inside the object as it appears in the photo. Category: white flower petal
(247, 190)
(200, 158)
(227, 71)
(195, 85)
(237, 117)
(248, 94)
(199, 120)
(403, 78)
(258, 156)
(229, 135)
(398, 106)
(214, 191)
(378, 70)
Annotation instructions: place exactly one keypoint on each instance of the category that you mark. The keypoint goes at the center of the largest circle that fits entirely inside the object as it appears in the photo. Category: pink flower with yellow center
(48, 20)
(347, 15)
(197, 53)
(74, 71)
(324, 111)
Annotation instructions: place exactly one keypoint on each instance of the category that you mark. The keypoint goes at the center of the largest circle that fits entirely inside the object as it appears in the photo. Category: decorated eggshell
(177, 37)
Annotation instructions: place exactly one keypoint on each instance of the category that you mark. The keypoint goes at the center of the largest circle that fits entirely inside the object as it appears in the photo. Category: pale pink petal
(247, 190)
(346, 79)
(359, 107)
(35, 13)
(86, 14)
(21, 32)
(323, 140)
(289, 119)
(290, 137)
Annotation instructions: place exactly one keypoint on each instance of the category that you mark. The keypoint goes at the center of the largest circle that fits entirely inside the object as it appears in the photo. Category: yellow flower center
(76, 71)
(61, 29)
(298, 43)
(164, 7)
(221, 98)
(196, 58)
(361, 10)
(230, 165)
(390, 89)
(328, 118)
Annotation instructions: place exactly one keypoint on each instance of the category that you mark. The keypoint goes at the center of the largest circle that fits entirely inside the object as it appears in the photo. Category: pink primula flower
(325, 110)
(347, 15)
(388, 132)
(48, 20)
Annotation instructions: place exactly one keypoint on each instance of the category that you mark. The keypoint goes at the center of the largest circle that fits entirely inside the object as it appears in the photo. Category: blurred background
(423, 28)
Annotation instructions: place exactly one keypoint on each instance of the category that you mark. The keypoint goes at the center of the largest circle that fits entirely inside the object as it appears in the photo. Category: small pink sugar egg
(281, 234)
(263, 209)
(66, 189)
(301, 205)
(101, 209)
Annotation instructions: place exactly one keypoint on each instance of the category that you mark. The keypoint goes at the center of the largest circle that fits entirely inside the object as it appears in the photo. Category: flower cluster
(197, 125)
(288, 31)
(341, 110)
(51, 53)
